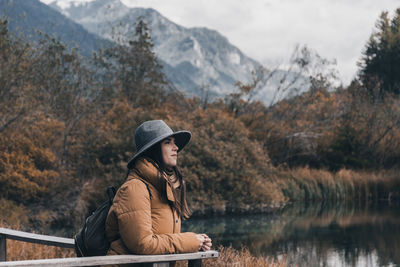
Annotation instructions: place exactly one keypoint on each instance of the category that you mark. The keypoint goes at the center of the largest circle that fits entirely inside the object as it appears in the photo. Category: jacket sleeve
(135, 225)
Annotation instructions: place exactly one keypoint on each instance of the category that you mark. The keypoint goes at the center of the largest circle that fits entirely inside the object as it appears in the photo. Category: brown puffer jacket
(140, 224)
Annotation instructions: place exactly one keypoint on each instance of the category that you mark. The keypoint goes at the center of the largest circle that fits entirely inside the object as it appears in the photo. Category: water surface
(320, 234)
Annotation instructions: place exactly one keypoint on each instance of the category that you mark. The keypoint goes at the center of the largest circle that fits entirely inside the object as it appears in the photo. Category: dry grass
(238, 258)
(18, 250)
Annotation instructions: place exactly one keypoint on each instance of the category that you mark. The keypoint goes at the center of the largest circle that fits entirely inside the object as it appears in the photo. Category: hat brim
(182, 138)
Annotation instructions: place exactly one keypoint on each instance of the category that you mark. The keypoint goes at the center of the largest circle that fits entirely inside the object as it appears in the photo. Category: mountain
(193, 57)
(27, 18)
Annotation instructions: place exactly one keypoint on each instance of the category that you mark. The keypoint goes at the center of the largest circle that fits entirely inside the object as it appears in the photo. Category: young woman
(145, 217)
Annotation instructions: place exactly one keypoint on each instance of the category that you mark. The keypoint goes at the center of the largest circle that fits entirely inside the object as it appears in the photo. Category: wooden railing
(194, 259)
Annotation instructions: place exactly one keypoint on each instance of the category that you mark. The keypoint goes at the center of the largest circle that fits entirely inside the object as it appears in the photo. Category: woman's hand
(204, 242)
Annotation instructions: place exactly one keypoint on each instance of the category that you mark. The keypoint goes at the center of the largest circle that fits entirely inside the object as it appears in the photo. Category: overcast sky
(268, 30)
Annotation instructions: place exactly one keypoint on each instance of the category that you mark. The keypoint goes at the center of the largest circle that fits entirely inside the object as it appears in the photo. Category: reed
(301, 184)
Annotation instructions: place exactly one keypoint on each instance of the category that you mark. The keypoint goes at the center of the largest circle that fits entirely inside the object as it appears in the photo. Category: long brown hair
(180, 204)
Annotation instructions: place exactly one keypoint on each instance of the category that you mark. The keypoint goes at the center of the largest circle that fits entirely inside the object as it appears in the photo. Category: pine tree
(136, 68)
(380, 63)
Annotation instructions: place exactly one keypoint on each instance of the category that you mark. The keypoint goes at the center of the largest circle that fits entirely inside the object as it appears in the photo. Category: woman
(145, 217)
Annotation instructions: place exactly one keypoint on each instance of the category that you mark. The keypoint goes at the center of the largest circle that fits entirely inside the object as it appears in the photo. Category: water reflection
(321, 234)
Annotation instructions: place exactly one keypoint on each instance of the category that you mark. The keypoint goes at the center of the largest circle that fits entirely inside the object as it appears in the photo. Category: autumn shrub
(223, 166)
(329, 129)
(375, 126)
(26, 169)
(294, 131)
(12, 213)
(346, 150)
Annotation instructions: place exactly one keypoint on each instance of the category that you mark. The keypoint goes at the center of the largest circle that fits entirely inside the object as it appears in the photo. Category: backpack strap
(147, 186)
(111, 194)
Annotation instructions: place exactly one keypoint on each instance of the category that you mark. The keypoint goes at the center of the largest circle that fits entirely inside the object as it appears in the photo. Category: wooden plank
(3, 248)
(38, 239)
(117, 259)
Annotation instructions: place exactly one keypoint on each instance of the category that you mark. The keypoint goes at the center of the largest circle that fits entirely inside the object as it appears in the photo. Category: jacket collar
(147, 171)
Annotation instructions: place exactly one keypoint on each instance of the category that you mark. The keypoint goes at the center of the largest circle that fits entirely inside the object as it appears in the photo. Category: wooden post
(194, 263)
(3, 248)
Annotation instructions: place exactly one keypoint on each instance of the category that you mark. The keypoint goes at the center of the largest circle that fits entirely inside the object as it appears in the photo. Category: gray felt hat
(150, 133)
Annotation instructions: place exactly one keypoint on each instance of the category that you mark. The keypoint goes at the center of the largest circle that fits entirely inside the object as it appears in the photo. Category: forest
(67, 130)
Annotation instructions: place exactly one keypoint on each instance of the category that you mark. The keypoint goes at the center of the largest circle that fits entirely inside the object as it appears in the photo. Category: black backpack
(91, 239)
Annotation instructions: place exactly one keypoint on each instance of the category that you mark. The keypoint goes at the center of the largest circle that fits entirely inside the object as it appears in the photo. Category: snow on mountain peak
(234, 58)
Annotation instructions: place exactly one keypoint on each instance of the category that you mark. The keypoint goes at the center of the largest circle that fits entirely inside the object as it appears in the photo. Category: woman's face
(169, 151)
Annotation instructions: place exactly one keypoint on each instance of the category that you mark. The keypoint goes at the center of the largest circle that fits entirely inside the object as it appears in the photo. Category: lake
(319, 234)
